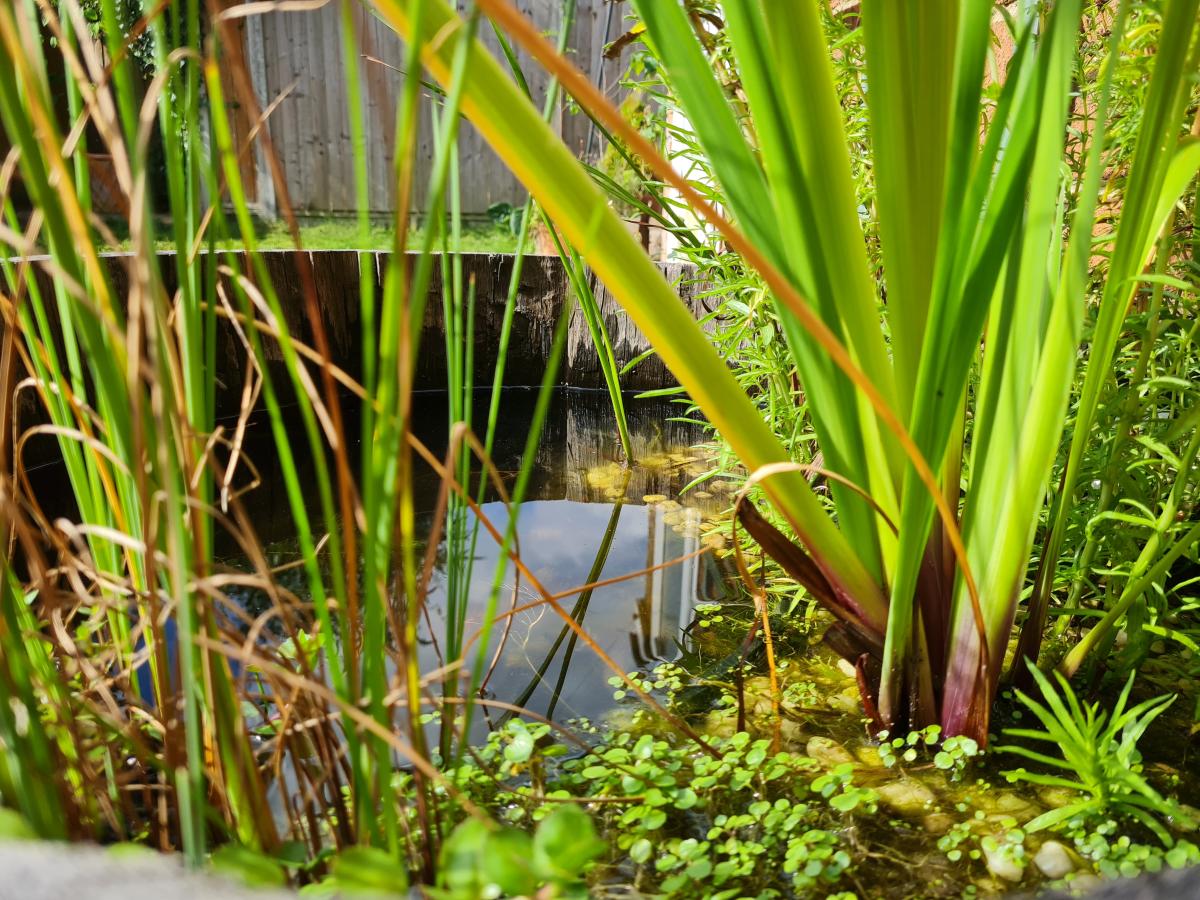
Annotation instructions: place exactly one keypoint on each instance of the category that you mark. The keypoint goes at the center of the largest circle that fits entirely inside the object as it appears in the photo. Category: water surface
(588, 517)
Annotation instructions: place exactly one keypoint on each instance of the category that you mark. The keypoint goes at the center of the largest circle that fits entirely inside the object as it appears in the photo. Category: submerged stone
(869, 756)
(720, 723)
(907, 796)
(1000, 862)
(757, 694)
(1086, 881)
(1054, 797)
(848, 701)
(1054, 860)
(827, 752)
(846, 668)
(1006, 804)
(937, 823)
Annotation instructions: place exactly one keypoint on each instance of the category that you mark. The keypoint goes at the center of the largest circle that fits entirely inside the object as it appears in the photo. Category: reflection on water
(587, 515)
(543, 666)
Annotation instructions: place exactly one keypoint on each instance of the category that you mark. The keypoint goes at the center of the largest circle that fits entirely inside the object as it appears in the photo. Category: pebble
(1006, 803)
(757, 695)
(720, 723)
(846, 668)
(1190, 823)
(847, 702)
(654, 498)
(1158, 647)
(1054, 797)
(908, 797)
(1002, 865)
(791, 732)
(1082, 884)
(828, 753)
(869, 756)
(938, 823)
(1054, 860)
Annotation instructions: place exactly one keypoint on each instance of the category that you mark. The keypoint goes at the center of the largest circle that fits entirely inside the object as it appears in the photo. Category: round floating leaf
(521, 746)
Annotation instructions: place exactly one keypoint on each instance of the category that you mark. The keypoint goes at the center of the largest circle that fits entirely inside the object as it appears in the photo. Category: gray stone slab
(47, 871)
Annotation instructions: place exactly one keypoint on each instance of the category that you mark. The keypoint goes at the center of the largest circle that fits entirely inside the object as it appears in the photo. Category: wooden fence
(301, 55)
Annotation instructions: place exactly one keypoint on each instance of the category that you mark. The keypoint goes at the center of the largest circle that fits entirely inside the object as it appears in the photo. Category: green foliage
(13, 826)
(345, 234)
(247, 866)
(481, 860)
(1097, 751)
(950, 755)
(692, 824)
(1116, 855)
(844, 200)
(760, 157)
(358, 871)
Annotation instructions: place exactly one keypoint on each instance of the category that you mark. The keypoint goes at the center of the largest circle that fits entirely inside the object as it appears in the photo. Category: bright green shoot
(1096, 752)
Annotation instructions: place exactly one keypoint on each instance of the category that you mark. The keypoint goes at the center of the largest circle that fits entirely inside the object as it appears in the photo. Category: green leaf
(461, 856)
(507, 861)
(520, 749)
(369, 870)
(641, 850)
(564, 843)
(843, 802)
(13, 826)
(248, 866)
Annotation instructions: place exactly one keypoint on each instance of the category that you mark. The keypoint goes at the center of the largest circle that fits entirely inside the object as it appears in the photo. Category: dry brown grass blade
(348, 498)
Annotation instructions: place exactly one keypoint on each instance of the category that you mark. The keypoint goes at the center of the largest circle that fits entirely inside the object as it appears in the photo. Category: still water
(587, 518)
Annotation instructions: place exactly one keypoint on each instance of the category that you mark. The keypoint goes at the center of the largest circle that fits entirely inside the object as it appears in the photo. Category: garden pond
(774, 792)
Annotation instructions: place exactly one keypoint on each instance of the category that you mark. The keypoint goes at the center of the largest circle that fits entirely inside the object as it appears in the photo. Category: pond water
(587, 517)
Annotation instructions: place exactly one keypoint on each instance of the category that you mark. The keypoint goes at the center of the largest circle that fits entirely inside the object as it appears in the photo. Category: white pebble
(1001, 864)
(1053, 860)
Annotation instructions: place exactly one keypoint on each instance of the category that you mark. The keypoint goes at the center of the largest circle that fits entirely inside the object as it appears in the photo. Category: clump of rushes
(925, 562)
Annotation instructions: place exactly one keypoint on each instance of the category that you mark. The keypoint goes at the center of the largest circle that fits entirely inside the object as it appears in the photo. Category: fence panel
(302, 54)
